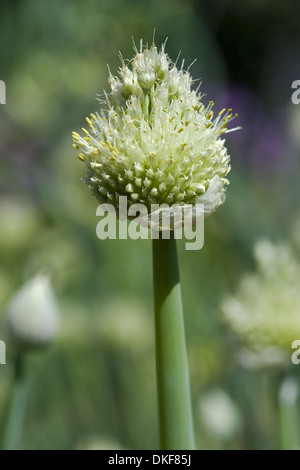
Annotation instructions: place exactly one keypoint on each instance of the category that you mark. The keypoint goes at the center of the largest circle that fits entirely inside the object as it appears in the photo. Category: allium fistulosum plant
(155, 142)
(32, 323)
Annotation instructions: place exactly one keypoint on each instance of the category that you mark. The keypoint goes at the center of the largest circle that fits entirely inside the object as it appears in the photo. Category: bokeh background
(95, 386)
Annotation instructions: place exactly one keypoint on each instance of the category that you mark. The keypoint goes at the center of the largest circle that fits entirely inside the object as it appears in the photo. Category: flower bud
(32, 316)
(146, 77)
(130, 82)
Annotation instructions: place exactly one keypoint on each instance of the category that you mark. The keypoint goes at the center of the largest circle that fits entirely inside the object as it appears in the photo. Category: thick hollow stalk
(174, 402)
(288, 415)
(13, 434)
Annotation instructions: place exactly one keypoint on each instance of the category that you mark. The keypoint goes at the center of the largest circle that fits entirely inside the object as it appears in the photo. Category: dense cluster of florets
(153, 140)
(264, 312)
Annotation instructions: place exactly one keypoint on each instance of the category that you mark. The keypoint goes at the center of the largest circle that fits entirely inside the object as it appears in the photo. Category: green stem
(288, 415)
(174, 402)
(17, 409)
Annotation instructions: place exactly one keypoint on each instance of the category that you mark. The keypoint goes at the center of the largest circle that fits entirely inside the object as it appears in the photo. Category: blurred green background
(95, 387)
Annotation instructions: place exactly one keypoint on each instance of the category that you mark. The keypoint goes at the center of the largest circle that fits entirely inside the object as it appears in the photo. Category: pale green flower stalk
(32, 321)
(155, 142)
(289, 435)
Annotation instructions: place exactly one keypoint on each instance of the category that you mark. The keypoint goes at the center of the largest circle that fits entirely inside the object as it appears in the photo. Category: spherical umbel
(153, 140)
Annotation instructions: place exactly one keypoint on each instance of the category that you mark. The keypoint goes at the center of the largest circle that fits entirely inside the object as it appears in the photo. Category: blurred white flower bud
(219, 414)
(32, 315)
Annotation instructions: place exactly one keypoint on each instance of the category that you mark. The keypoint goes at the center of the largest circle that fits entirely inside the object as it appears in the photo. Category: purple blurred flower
(262, 144)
